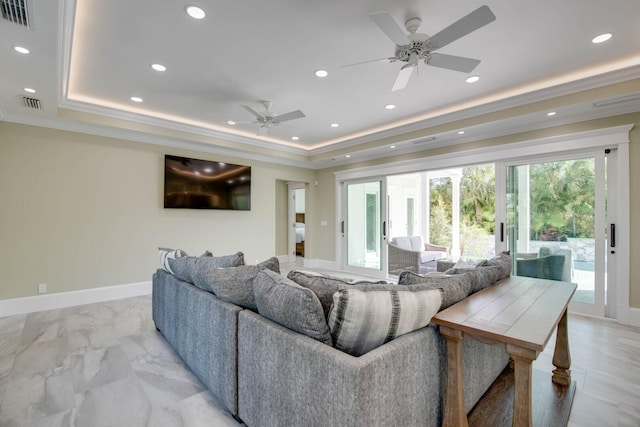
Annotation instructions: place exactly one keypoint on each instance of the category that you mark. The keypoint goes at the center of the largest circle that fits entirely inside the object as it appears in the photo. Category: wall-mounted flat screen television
(204, 184)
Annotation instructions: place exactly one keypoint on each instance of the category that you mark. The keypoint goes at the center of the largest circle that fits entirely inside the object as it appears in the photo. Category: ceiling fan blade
(368, 62)
(390, 27)
(254, 112)
(289, 116)
(473, 21)
(451, 62)
(403, 77)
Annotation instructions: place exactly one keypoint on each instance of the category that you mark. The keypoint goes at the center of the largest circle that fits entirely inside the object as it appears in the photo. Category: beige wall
(80, 211)
(324, 246)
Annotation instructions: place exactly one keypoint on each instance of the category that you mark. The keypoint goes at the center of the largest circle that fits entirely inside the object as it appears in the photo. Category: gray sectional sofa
(267, 374)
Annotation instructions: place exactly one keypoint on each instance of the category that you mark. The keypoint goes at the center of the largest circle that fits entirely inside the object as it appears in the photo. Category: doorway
(297, 236)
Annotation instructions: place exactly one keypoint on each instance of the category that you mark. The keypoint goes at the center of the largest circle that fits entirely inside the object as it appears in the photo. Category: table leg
(522, 369)
(561, 355)
(455, 413)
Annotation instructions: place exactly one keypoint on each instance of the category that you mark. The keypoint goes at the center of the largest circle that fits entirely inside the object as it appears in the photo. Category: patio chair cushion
(402, 242)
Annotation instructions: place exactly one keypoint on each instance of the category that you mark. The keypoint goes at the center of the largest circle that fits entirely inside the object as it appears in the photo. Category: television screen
(204, 184)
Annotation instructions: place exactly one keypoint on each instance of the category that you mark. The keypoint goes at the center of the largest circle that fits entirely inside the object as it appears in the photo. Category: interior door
(555, 224)
(364, 229)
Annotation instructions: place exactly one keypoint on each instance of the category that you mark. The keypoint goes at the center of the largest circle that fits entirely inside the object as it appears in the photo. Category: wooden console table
(521, 312)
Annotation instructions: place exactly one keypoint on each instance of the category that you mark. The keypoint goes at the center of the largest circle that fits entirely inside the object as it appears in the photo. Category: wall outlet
(42, 288)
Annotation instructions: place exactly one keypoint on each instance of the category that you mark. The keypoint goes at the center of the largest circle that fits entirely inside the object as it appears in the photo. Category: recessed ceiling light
(392, 146)
(21, 49)
(195, 12)
(472, 79)
(348, 155)
(551, 113)
(389, 106)
(334, 125)
(158, 67)
(295, 138)
(136, 99)
(322, 73)
(231, 122)
(601, 38)
(460, 132)
(28, 89)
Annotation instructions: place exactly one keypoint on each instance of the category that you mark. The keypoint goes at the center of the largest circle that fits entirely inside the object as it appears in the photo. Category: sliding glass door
(364, 229)
(555, 224)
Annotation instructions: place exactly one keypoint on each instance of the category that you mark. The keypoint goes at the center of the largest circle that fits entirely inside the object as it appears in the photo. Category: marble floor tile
(99, 367)
(10, 333)
(120, 403)
(32, 397)
(42, 357)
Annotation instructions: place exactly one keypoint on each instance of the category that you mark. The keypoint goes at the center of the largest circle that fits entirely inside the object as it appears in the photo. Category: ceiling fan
(414, 47)
(267, 120)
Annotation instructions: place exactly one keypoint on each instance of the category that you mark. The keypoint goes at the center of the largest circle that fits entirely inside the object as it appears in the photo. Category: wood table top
(522, 311)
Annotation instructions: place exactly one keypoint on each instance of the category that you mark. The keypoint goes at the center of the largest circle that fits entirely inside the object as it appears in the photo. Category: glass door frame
(381, 228)
(598, 308)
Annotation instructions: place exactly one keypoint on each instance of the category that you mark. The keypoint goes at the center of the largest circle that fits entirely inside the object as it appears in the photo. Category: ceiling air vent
(15, 11)
(33, 103)
(423, 140)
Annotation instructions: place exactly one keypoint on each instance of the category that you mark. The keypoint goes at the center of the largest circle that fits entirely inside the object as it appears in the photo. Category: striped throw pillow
(166, 254)
(361, 321)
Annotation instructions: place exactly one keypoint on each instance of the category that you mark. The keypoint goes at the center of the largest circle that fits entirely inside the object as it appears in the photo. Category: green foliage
(562, 199)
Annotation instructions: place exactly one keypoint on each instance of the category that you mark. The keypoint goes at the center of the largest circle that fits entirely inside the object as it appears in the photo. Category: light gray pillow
(192, 269)
(285, 302)
(454, 287)
(503, 260)
(481, 277)
(235, 284)
(168, 254)
(324, 286)
(361, 321)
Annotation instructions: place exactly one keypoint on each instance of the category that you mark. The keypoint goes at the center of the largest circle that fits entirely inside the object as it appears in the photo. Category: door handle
(612, 235)
(384, 228)
(502, 231)
(342, 227)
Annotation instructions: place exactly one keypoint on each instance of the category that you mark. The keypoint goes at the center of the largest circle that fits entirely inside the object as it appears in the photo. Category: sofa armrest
(437, 248)
(402, 259)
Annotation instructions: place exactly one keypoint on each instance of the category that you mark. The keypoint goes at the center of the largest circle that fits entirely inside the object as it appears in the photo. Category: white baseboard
(13, 306)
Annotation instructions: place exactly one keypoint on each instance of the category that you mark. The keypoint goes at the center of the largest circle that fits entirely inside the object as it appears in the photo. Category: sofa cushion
(324, 286)
(167, 254)
(190, 269)
(361, 321)
(454, 287)
(285, 302)
(416, 243)
(402, 242)
(235, 284)
(481, 277)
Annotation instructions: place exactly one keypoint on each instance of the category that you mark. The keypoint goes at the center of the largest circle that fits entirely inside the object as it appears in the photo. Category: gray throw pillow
(285, 302)
(235, 284)
(503, 260)
(324, 286)
(481, 277)
(454, 287)
(192, 269)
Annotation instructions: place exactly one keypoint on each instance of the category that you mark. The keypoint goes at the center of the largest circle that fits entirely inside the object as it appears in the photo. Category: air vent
(15, 11)
(616, 101)
(423, 140)
(33, 103)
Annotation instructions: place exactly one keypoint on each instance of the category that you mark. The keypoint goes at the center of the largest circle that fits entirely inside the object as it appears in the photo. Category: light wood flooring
(104, 364)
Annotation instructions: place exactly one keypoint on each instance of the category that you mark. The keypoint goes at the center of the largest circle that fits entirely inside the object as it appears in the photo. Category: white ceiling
(91, 56)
